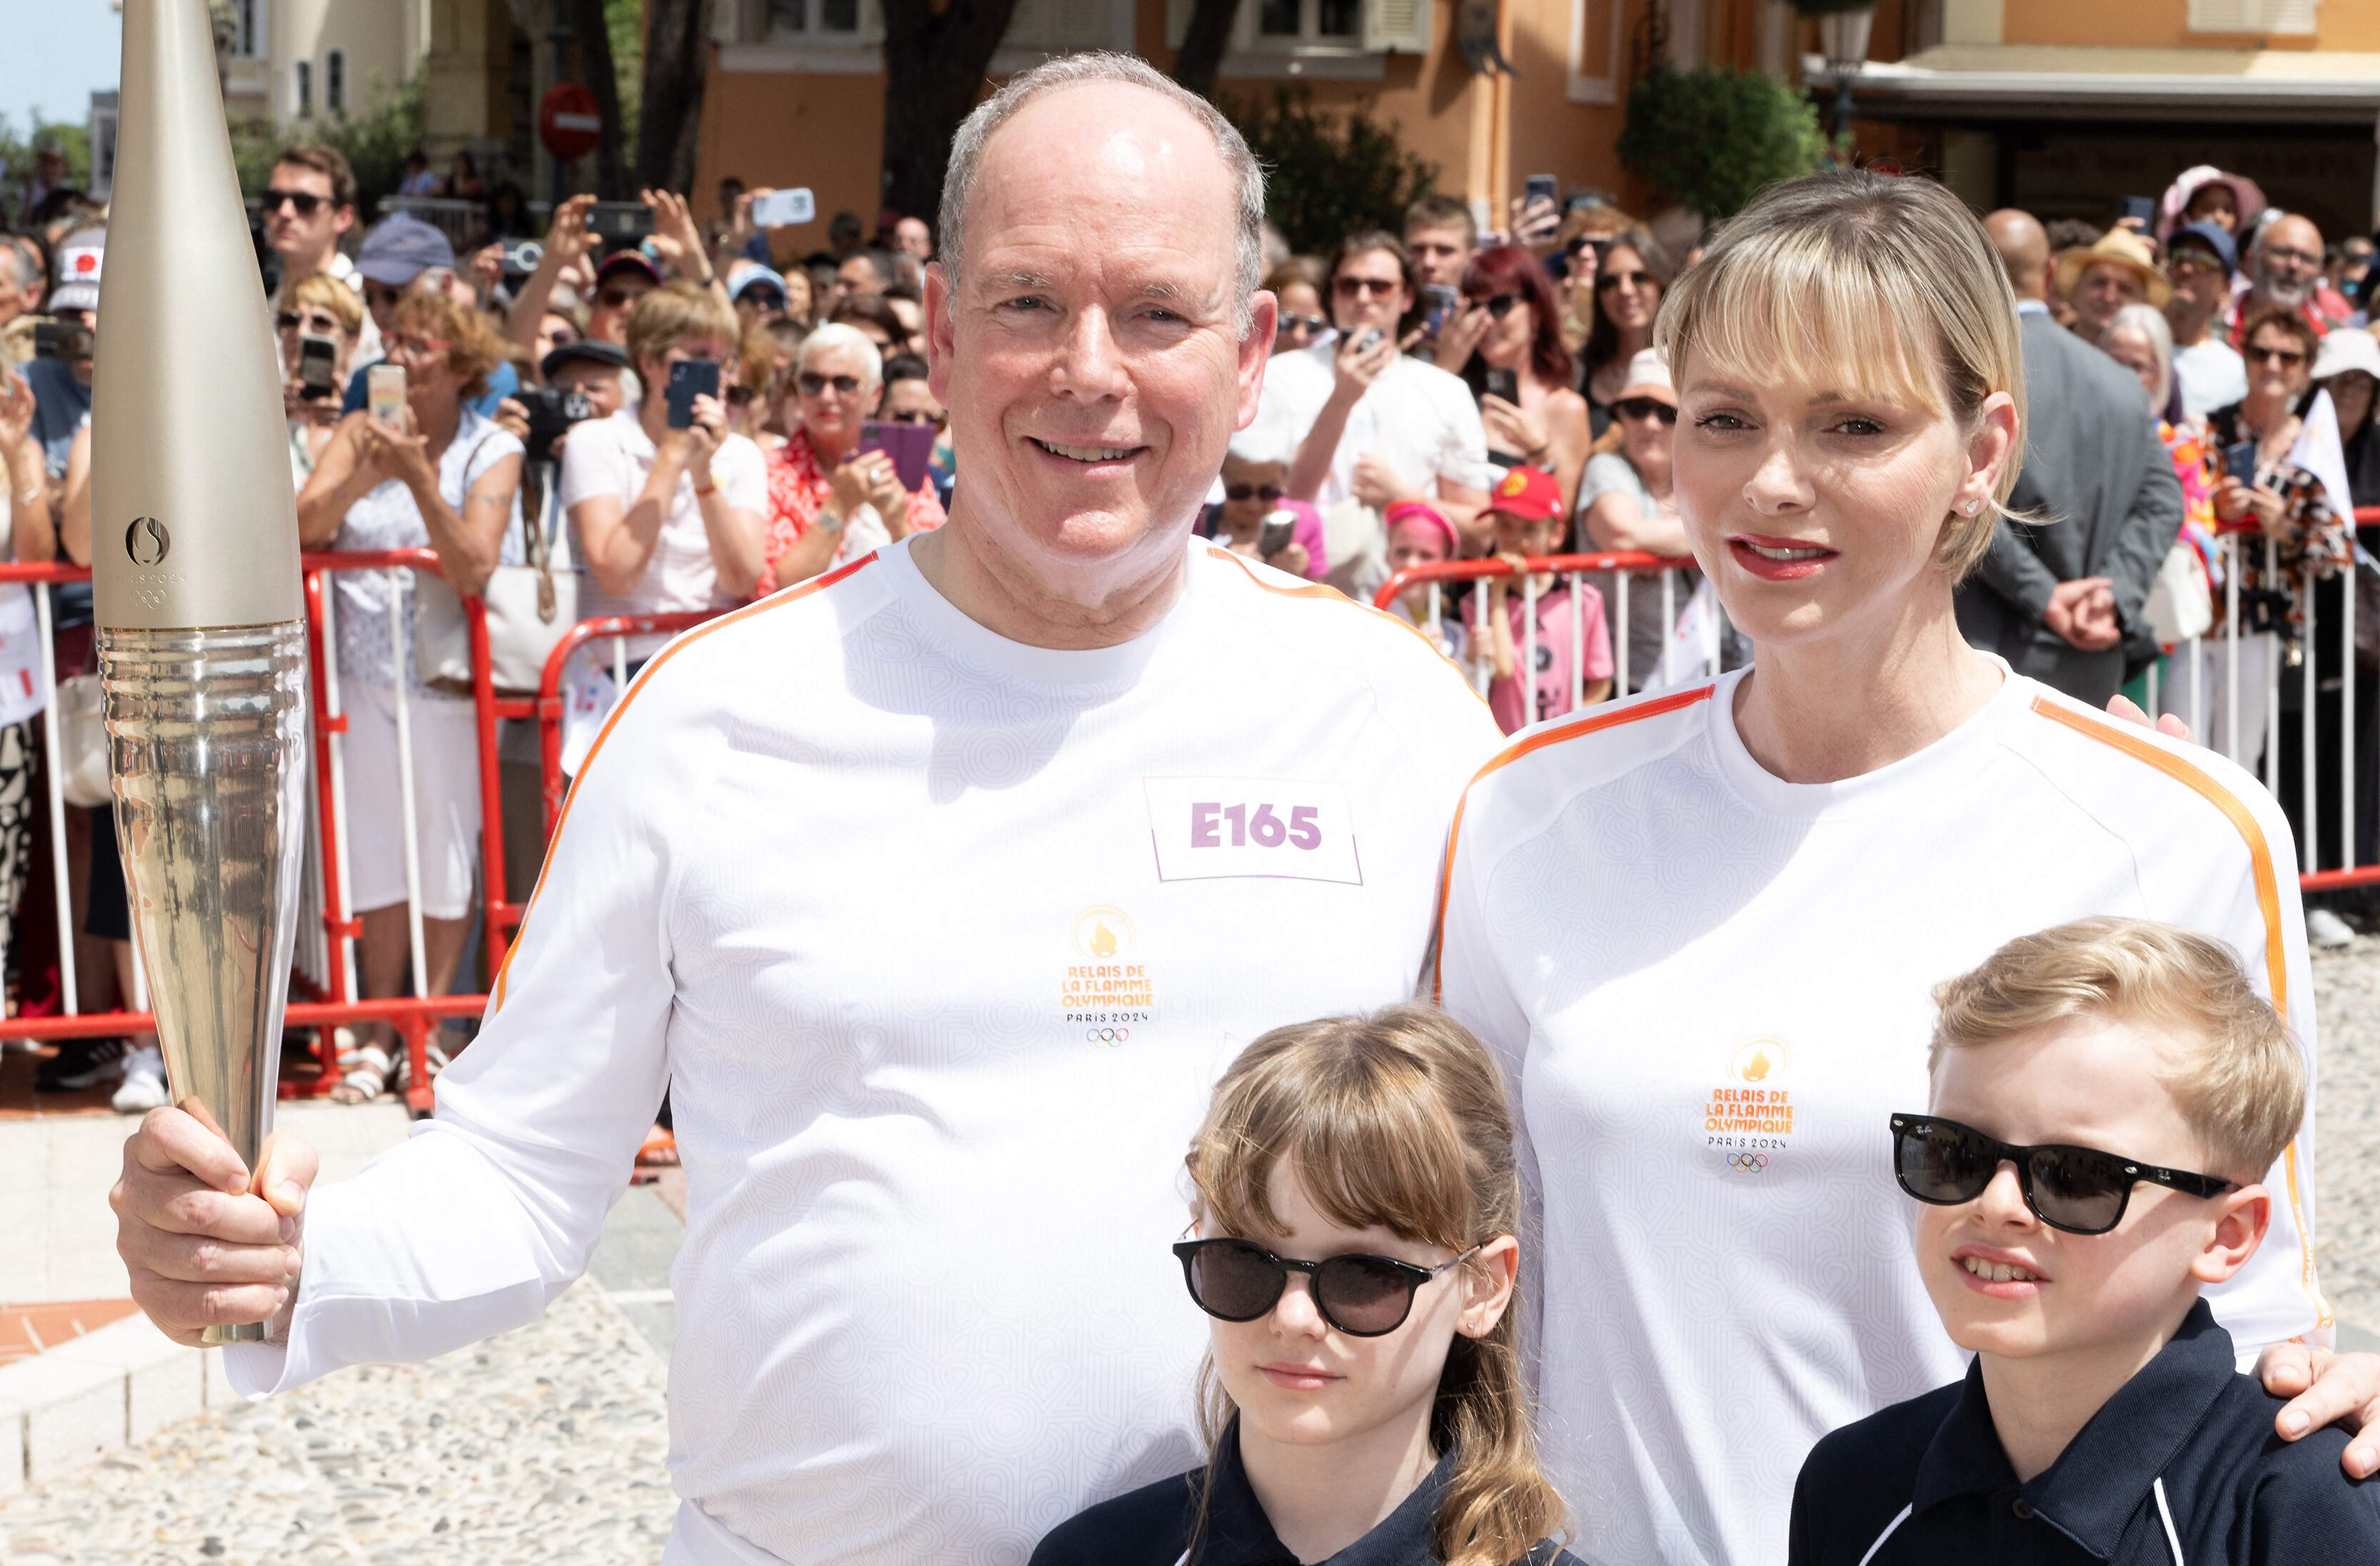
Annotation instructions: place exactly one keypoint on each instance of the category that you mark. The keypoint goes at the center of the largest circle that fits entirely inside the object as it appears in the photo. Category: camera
(552, 411)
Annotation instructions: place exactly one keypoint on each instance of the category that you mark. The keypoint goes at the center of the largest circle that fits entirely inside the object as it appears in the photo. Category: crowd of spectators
(1436, 393)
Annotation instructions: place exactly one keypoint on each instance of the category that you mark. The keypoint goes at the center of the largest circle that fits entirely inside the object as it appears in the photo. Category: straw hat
(2122, 247)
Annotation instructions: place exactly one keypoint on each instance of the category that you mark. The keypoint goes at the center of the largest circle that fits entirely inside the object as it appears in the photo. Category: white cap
(2346, 348)
(1648, 376)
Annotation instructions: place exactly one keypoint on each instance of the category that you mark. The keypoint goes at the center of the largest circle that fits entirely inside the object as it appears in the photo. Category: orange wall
(2164, 24)
(826, 132)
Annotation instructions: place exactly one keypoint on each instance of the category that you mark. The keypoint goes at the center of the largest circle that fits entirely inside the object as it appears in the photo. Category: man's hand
(2083, 612)
(511, 418)
(2125, 707)
(206, 1246)
(1460, 337)
(675, 234)
(1357, 366)
(1377, 484)
(1535, 222)
(2326, 1389)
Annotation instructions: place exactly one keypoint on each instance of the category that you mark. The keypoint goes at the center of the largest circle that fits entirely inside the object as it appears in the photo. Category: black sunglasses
(305, 201)
(1499, 305)
(1303, 322)
(1606, 281)
(2079, 1190)
(1261, 492)
(1646, 408)
(1362, 1297)
(812, 383)
(738, 396)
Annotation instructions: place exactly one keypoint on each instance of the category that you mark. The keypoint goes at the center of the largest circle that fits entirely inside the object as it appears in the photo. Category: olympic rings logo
(1747, 1163)
(1106, 1034)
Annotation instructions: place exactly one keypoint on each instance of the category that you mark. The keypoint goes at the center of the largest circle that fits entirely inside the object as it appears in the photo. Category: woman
(1627, 502)
(317, 306)
(1357, 1203)
(830, 502)
(2140, 339)
(448, 480)
(1630, 279)
(1701, 930)
(1297, 285)
(872, 316)
(1509, 309)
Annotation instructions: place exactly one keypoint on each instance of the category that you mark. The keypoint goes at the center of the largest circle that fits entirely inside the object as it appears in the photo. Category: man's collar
(2033, 307)
(2097, 1483)
(1239, 1534)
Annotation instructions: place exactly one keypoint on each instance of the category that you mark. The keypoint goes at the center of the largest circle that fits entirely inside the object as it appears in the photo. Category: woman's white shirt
(1709, 990)
(615, 456)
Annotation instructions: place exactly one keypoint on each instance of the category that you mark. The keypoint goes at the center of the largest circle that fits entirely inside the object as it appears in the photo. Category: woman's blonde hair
(1852, 281)
(319, 290)
(677, 313)
(473, 346)
(1396, 1119)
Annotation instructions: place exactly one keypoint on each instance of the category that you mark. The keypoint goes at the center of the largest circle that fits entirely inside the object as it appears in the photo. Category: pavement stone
(2347, 1137)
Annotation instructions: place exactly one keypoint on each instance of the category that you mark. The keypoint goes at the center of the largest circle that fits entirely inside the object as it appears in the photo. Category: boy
(1526, 509)
(2107, 1098)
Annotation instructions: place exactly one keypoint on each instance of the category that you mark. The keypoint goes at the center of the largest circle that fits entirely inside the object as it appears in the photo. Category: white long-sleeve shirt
(939, 942)
(1711, 988)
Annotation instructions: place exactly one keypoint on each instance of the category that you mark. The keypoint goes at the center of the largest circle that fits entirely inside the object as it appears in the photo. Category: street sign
(568, 122)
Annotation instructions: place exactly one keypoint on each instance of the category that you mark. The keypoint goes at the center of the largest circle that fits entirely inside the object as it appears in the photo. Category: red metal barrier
(1470, 570)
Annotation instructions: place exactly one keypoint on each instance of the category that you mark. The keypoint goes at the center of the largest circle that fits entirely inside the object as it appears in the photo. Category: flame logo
(1103, 932)
(1104, 941)
(1759, 1061)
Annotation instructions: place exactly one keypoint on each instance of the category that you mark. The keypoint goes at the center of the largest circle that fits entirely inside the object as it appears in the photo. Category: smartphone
(1542, 187)
(619, 219)
(1504, 383)
(1440, 302)
(690, 379)
(1368, 341)
(2141, 206)
(911, 447)
(49, 339)
(318, 365)
(783, 209)
(2240, 462)
(1279, 528)
(385, 396)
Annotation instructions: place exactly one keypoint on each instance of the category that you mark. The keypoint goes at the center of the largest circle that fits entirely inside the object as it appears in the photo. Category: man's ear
(2241, 1218)
(939, 333)
(1255, 352)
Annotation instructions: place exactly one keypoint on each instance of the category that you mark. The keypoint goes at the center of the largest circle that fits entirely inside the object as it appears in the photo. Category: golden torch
(195, 572)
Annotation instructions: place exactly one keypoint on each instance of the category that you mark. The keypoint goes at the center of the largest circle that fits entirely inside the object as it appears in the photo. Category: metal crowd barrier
(1620, 566)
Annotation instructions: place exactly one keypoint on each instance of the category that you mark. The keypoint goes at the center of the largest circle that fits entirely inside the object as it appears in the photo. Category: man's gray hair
(1071, 70)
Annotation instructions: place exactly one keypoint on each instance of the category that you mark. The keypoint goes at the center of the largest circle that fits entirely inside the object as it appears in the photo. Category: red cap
(1528, 493)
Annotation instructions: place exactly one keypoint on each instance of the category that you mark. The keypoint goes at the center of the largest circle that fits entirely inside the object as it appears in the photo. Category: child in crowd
(2109, 1097)
(1527, 507)
(1365, 1400)
(1254, 503)
(1419, 534)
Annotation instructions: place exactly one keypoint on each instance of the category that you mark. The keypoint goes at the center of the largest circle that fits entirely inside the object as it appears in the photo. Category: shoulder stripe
(774, 601)
(1594, 722)
(1325, 590)
(2268, 901)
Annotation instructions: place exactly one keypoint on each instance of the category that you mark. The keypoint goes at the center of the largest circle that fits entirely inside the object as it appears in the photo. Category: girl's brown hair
(1396, 1119)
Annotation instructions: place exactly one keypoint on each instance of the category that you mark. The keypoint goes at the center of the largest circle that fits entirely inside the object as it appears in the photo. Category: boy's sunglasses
(305, 201)
(1362, 1297)
(1646, 408)
(2079, 1190)
(1261, 492)
(1303, 322)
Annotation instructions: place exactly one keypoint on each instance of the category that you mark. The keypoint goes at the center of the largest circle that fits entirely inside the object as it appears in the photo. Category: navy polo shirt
(2188, 1425)
(1153, 1526)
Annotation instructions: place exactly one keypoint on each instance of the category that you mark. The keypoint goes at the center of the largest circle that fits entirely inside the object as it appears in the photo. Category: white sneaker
(2327, 930)
(144, 1083)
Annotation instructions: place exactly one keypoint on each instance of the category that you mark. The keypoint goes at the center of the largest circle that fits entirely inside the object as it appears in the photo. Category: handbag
(2180, 604)
(82, 742)
(531, 608)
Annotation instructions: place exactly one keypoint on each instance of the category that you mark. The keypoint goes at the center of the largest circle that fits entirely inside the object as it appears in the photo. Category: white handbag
(531, 608)
(82, 742)
(2181, 603)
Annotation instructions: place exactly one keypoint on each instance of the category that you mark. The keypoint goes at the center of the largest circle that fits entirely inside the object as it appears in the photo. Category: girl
(1356, 1202)
(1419, 534)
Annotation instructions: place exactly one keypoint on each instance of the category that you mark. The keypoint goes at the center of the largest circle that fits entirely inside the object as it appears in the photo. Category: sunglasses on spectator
(913, 415)
(620, 299)
(320, 325)
(1362, 1296)
(2079, 1190)
(1261, 492)
(1348, 288)
(417, 347)
(1646, 408)
(2269, 351)
(1303, 322)
(2190, 260)
(738, 397)
(1606, 281)
(814, 384)
(1499, 305)
(307, 203)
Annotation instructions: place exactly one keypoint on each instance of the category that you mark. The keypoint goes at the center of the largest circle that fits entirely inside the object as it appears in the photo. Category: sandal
(660, 1150)
(366, 1077)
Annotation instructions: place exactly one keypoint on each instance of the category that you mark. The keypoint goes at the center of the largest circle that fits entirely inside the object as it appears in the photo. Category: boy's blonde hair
(1847, 281)
(1396, 1119)
(2230, 1062)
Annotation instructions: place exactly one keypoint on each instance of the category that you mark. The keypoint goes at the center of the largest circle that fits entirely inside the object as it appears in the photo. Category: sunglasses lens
(2077, 1189)
(1362, 1296)
(1234, 1281)
(1941, 1163)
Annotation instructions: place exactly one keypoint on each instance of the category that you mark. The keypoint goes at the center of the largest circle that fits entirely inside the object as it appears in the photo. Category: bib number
(1280, 828)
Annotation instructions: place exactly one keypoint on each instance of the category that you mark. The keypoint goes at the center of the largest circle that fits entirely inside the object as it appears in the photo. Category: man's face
(857, 275)
(599, 383)
(2102, 290)
(380, 298)
(1369, 290)
(1092, 357)
(614, 297)
(2201, 285)
(911, 401)
(302, 236)
(2289, 262)
(1440, 255)
(912, 237)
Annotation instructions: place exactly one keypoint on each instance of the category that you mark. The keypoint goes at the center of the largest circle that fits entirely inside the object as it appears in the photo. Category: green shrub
(1712, 139)
(1328, 172)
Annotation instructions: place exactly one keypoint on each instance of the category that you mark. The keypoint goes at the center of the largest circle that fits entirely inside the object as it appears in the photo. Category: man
(50, 175)
(623, 278)
(844, 234)
(20, 279)
(861, 272)
(939, 962)
(2347, 264)
(912, 237)
(2116, 272)
(400, 255)
(908, 391)
(1441, 237)
(2063, 601)
(758, 296)
(309, 205)
(2199, 260)
(62, 386)
(2286, 271)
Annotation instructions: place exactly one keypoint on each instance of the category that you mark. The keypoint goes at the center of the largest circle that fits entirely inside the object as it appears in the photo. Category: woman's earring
(1973, 506)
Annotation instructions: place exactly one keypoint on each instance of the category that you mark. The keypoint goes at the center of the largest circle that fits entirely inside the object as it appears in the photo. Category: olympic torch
(195, 572)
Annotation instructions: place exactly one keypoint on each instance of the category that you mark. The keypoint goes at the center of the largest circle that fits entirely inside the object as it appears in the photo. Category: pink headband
(1422, 511)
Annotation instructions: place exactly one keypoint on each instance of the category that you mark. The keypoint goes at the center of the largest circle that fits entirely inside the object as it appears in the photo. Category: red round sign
(568, 122)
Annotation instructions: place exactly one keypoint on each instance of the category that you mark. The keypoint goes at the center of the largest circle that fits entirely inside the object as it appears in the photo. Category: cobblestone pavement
(2347, 1130)
(543, 1445)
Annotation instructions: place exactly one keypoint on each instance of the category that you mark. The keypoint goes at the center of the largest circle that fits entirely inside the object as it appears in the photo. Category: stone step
(98, 1394)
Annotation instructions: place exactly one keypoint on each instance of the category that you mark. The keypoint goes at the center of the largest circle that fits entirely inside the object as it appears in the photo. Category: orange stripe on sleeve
(2268, 902)
(774, 601)
(1576, 728)
(1324, 590)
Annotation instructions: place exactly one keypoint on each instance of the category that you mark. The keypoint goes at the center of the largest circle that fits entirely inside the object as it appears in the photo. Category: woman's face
(430, 378)
(1301, 320)
(1626, 290)
(653, 369)
(1817, 510)
(2214, 202)
(1648, 433)
(2134, 352)
(554, 332)
(313, 321)
(2278, 364)
(1506, 346)
(1251, 491)
(2350, 395)
(835, 398)
(797, 294)
(1300, 1381)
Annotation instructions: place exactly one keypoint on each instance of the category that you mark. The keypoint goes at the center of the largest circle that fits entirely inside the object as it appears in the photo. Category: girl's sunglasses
(1645, 407)
(2079, 1190)
(1261, 492)
(1362, 1297)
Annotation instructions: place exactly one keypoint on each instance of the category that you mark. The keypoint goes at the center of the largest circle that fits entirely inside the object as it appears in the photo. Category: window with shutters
(1058, 27)
(2275, 16)
(334, 83)
(249, 39)
(1340, 39)
(800, 22)
(301, 88)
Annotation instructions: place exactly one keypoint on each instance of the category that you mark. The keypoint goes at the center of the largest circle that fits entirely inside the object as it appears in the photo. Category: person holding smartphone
(829, 501)
(1520, 371)
(317, 327)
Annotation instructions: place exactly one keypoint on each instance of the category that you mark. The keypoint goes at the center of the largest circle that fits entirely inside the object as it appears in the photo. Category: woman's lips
(1298, 1377)
(1778, 560)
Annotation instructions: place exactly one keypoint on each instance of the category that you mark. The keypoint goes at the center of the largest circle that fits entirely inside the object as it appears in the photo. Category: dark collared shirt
(2187, 1437)
(1152, 1526)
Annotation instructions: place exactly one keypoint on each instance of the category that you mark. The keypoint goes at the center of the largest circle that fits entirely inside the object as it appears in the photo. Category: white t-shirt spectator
(2211, 375)
(1416, 417)
(614, 456)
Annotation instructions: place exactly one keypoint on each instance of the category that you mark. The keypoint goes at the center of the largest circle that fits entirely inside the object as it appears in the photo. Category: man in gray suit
(2061, 600)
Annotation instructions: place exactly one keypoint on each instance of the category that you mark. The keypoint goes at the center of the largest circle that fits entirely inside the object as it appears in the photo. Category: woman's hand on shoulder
(2326, 1389)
